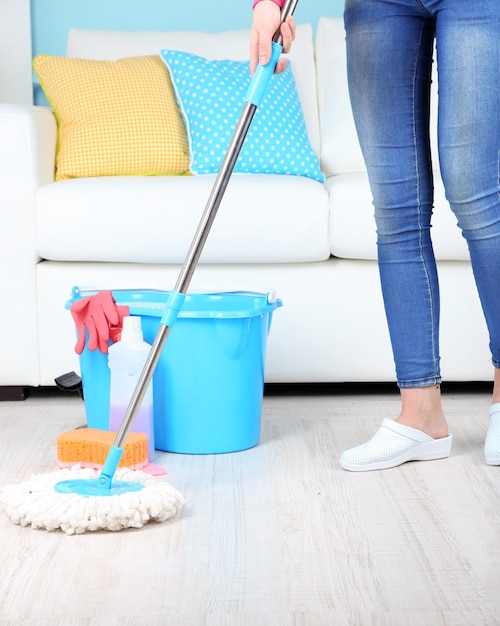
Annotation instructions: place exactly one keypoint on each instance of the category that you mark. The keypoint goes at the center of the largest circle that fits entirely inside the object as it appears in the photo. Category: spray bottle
(126, 360)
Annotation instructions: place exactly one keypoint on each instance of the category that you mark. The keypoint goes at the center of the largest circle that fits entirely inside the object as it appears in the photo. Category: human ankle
(422, 409)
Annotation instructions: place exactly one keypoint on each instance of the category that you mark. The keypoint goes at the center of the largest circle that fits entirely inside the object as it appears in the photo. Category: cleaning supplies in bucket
(126, 359)
(208, 385)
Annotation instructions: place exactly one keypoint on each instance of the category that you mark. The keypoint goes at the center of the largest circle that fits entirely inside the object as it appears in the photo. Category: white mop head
(36, 503)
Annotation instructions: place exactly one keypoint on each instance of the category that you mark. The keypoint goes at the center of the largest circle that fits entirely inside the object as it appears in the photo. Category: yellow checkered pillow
(115, 118)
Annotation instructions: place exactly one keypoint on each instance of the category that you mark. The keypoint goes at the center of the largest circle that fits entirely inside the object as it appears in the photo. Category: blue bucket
(209, 381)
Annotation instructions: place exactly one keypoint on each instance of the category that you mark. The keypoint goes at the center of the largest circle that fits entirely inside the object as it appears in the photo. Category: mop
(78, 500)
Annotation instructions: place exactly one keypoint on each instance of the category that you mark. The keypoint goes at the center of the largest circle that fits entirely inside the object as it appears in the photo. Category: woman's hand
(266, 21)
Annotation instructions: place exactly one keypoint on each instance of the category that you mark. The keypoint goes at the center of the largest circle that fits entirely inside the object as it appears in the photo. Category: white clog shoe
(492, 443)
(394, 444)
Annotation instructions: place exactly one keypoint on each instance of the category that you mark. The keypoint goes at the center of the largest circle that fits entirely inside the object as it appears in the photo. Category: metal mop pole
(253, 99)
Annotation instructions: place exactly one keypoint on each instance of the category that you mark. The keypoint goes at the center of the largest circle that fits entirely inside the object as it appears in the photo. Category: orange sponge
(90, 446)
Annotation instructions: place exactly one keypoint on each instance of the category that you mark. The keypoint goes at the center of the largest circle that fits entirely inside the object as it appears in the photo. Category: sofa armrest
(27, 158)
(28, 149)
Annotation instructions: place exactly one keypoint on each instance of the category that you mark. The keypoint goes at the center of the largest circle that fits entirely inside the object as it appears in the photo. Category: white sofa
(312, 242)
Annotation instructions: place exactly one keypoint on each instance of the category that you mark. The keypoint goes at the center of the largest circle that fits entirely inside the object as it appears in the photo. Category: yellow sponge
(90, 447)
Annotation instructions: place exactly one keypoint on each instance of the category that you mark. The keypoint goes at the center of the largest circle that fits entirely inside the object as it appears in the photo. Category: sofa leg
(13, 393)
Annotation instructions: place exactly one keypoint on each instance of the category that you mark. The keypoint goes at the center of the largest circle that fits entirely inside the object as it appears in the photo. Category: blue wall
(52, 19)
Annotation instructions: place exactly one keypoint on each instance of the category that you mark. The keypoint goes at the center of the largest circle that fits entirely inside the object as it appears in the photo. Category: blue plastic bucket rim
(197, 304)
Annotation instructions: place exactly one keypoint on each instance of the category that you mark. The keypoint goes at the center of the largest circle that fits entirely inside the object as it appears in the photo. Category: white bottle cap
(132, 329)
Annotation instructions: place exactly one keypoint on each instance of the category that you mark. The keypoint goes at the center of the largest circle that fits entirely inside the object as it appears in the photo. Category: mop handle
(175, 301)
(253, 98)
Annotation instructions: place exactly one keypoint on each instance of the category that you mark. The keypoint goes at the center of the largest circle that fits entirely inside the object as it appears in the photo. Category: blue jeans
(389, 59)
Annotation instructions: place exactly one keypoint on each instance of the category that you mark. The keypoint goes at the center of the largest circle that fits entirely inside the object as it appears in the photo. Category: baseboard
(13, 393)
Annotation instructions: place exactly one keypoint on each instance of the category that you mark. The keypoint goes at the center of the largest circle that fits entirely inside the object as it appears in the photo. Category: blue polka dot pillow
(211, 97)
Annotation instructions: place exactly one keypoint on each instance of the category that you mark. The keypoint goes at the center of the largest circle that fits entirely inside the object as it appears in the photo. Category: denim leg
(389, 58)
(468, 48)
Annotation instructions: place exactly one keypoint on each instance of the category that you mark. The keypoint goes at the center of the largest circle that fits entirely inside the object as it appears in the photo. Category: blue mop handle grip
(262, 76)
(174, 305)
(110, 466)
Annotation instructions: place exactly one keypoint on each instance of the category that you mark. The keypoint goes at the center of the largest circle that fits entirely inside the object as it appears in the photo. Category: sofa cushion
(114, 117)
(263, 218)
(211, 94)
(111, 44)
(336, 121)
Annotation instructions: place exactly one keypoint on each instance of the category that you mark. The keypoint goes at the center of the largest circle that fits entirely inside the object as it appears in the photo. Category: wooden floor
(278, 535)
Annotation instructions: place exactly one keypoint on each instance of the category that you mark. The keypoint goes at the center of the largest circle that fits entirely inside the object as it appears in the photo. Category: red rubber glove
(101, 318)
